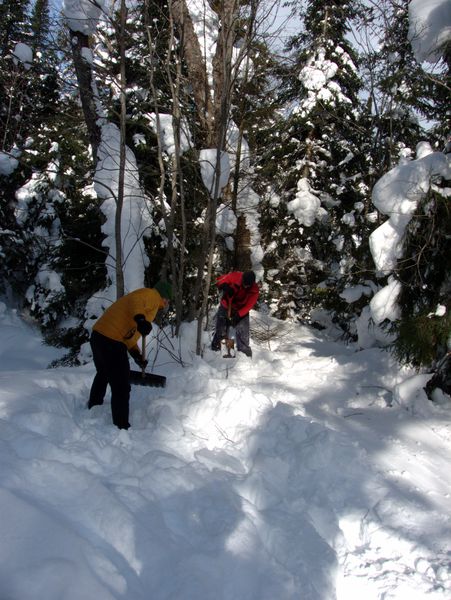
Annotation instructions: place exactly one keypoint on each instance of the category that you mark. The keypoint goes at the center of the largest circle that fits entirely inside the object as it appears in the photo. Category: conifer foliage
(321, 161)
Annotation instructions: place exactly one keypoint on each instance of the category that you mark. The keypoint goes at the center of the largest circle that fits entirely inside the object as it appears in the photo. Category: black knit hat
(164, 289)
(248, 278)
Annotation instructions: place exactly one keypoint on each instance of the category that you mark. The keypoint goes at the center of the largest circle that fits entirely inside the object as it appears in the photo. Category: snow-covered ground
(311, 472)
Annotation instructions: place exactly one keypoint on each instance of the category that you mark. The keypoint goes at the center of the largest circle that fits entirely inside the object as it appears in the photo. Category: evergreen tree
(51, 259)
(14, 29)
(14, 75)
(40, 25)
(425, 274)
(396, 88)
(424, 270)
(322, 156)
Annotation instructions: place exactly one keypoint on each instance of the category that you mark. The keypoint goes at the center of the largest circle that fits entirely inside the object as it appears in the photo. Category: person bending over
(114, 335)
(239, 296)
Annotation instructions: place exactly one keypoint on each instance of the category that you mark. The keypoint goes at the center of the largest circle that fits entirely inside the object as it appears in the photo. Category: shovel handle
(143, 352)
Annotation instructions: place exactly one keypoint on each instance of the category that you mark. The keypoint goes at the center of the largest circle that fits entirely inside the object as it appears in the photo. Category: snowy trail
(304, 473)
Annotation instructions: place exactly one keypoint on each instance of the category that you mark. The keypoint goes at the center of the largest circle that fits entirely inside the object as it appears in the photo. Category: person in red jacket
(239, 296)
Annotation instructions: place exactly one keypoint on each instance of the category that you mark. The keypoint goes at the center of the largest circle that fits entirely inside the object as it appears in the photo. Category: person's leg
(119, 380)
(100, 382)
(221, 328)
(242, 336)
(111, 361)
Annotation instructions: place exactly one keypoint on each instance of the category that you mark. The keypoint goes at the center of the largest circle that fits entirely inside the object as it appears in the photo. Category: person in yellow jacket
(114, 334)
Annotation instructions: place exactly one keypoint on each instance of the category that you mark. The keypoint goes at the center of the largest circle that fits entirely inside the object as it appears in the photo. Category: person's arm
(227, 285)
(135, 353)
(251, 301)
(142, 325)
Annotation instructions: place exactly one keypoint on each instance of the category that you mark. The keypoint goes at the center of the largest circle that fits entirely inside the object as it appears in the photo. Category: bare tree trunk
(83, 70)
(151, 71)
(181, 190)
(242, 253)
(196, 66)
(242, 245)
(213, 109)
(222, 67)
(177, 267)
(120, 287)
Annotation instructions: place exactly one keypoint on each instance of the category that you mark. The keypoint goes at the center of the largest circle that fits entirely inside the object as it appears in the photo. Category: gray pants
(241, 332)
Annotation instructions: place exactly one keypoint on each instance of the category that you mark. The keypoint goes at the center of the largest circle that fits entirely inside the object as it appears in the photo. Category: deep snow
(311, 472)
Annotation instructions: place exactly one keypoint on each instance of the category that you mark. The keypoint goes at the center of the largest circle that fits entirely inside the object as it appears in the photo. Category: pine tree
(423, 271)
(40, 25)
(396, 88)
(14, 76)
(321, 158)
(14, 29)
(51, 259)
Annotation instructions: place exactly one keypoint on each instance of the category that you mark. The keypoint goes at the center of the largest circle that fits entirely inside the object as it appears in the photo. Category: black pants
(241, 332)
(113, 368)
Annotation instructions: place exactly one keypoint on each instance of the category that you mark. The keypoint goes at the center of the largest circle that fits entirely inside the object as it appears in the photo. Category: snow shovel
(143, 378)
(228, 341)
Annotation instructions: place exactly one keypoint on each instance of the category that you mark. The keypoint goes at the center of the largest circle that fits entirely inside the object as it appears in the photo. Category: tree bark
(85, 79)
(120, 286)
(197, 70)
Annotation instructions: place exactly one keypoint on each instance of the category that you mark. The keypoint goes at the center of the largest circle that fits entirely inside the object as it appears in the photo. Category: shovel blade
(148, 379)
(229, 345)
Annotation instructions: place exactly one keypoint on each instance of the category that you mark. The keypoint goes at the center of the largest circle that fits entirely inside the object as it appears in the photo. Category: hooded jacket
(243, 299)
(117, 322)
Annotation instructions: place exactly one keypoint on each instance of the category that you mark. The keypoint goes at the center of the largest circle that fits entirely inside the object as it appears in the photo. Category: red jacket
(243, 299)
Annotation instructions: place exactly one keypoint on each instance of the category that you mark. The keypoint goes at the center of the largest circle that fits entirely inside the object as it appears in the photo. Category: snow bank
(304, 472)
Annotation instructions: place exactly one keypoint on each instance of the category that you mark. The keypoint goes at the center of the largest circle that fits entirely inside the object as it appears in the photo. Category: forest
(307, 140)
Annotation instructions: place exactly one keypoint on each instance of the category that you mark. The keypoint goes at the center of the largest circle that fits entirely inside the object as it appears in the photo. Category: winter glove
(138, 358)
(227, 290)
(143, 326)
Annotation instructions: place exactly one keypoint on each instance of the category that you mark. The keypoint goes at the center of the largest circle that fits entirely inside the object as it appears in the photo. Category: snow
(398, 194)
(163, 125)
(22, 53)
(311, 471)
(429, 28)
(383, 303)
(306, 207)
(354, 293)
(208, 158)
(136, 218)
(206, 25)
(315, 470)
(317, 77)
(8, 163)
(386, 245)
(82, 15)
(225, 221)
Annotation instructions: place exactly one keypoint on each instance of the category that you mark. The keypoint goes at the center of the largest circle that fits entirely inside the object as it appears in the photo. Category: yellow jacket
(117, 321)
